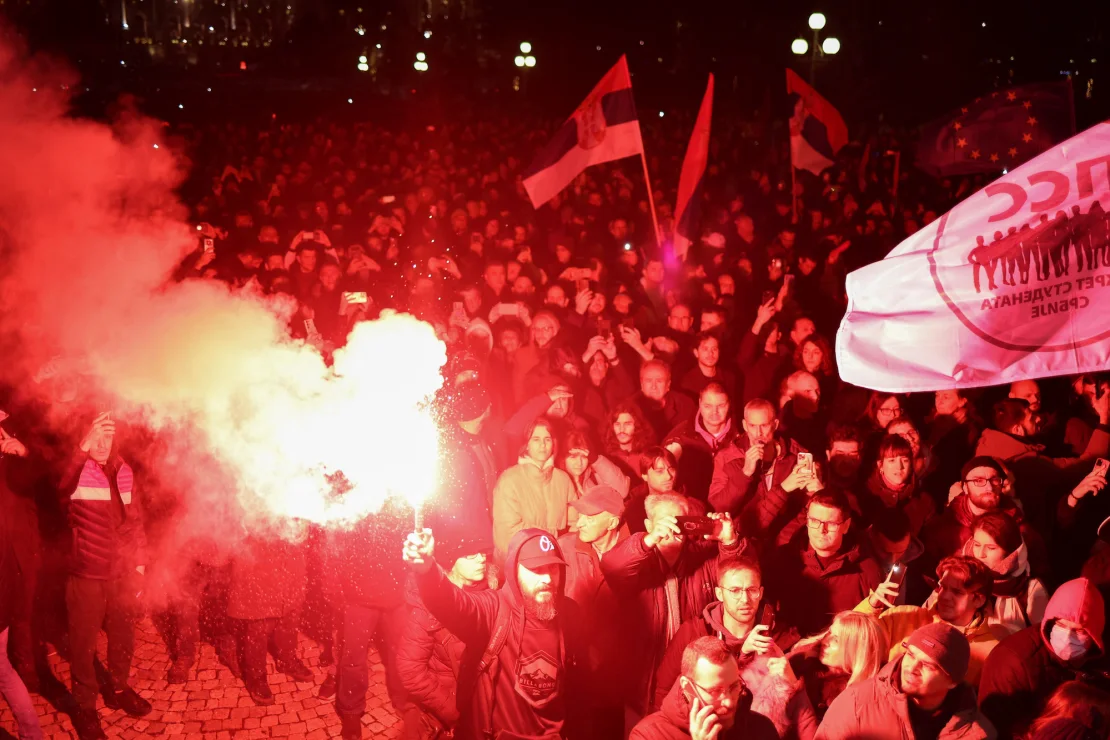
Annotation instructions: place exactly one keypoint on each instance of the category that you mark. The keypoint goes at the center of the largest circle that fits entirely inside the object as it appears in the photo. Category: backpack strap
(488, 669)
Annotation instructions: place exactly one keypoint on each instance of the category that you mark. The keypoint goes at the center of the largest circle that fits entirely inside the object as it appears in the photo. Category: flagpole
(794, 190)
(651, 203)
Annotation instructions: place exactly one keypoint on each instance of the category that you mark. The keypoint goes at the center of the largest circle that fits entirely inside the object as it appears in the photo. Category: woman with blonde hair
(851, 650)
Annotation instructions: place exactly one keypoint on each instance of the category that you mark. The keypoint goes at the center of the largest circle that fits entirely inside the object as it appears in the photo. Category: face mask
(1068, 644)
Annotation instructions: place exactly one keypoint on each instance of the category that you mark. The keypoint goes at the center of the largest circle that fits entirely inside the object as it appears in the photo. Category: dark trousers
(277, 635)
(361, 625)
(94, 604)
(25, 638)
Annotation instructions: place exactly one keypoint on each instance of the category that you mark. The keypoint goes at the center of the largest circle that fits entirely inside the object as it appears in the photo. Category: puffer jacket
(105, 518)
(528, 496)
(699, 448)
(638, 577)
(672, 722)
(786, 704)
(1023, 671)
(533, 687)
(428, 660)
(762, 510)
(1019, 599)
(877, 709)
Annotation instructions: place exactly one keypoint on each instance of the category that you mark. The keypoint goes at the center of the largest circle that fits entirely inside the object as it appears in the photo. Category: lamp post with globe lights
(819, 48)
(523, 61)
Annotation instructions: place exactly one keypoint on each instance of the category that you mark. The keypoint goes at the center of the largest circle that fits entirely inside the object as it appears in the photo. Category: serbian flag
(1013, 283)
(817, 131)
(691, 181)
(603, 128)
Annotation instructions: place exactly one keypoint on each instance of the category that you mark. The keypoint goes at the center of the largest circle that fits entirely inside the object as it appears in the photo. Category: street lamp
(525, 47)
(519, 61)
(818, 48)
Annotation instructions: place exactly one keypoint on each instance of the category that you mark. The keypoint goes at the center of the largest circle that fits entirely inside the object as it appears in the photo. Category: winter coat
(105, 518)
(530, 686)
(267, 579)
(1019, 600)
(1023, 671)
(638, 577)
(677, 407)
(944, 535)
(917, 505)
(672, 722)
(372, 575)
(517, 425)
(901, 621)
(470, 471)
(699, 448)
(786, 705)
(761, 370)
(428, 660)
(810, 593)
(761, 508)
(526, 496)
(877, 709)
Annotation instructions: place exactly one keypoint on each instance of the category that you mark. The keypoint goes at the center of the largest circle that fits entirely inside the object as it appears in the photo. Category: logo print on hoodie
(537, 676)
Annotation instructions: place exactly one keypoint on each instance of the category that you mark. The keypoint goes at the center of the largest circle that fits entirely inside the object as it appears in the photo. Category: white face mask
(1068, 644)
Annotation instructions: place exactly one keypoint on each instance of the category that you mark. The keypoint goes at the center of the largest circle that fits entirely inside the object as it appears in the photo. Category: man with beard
(708, 702)
(981, 482)
(921, 694)
(523, 648)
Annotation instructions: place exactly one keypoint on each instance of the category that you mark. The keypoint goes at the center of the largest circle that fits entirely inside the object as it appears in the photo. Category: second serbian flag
(691, 180)
(603, 128)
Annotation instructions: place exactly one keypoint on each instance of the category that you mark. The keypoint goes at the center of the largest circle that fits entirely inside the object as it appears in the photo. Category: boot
(127, 700)
(352, 727)
(179, 670)
(86, 723)
(326, 692)
(296, 670)
(228, 655)
(261, 694)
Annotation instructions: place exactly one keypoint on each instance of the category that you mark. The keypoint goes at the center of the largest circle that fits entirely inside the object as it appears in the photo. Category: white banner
(1012, 283)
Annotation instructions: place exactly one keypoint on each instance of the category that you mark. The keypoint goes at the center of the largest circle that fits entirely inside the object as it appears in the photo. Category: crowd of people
(662, 514)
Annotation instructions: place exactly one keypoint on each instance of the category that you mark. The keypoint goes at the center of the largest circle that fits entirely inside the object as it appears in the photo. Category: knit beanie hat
(944, 644)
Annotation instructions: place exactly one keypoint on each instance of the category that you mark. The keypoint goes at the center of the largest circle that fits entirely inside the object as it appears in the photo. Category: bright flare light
(817, 21)
(831, 45)
(799, 46)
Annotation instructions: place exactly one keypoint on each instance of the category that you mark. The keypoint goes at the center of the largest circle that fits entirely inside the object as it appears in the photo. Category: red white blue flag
(691, 181)
(603, 128)
(817, 130)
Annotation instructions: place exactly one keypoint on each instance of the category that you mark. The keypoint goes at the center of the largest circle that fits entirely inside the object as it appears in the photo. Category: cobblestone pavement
(213, 705)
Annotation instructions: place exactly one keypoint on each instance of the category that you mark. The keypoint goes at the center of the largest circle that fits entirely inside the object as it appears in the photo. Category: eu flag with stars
(999, 130)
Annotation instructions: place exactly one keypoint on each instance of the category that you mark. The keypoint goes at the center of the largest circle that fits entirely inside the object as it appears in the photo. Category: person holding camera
(747, 625)
(664, 577)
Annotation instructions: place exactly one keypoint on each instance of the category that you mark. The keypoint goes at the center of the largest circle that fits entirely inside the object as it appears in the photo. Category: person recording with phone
(748, 626)
(663, 577)
(963, 599)
(759, 477)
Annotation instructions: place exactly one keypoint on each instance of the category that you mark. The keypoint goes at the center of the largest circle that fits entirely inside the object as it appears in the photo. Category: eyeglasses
(822, 525)
(980, 482)
(752, 594)
(726, 692)
(889, 412)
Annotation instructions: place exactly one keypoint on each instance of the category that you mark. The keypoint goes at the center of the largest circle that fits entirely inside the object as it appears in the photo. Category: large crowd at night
(662, 513)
